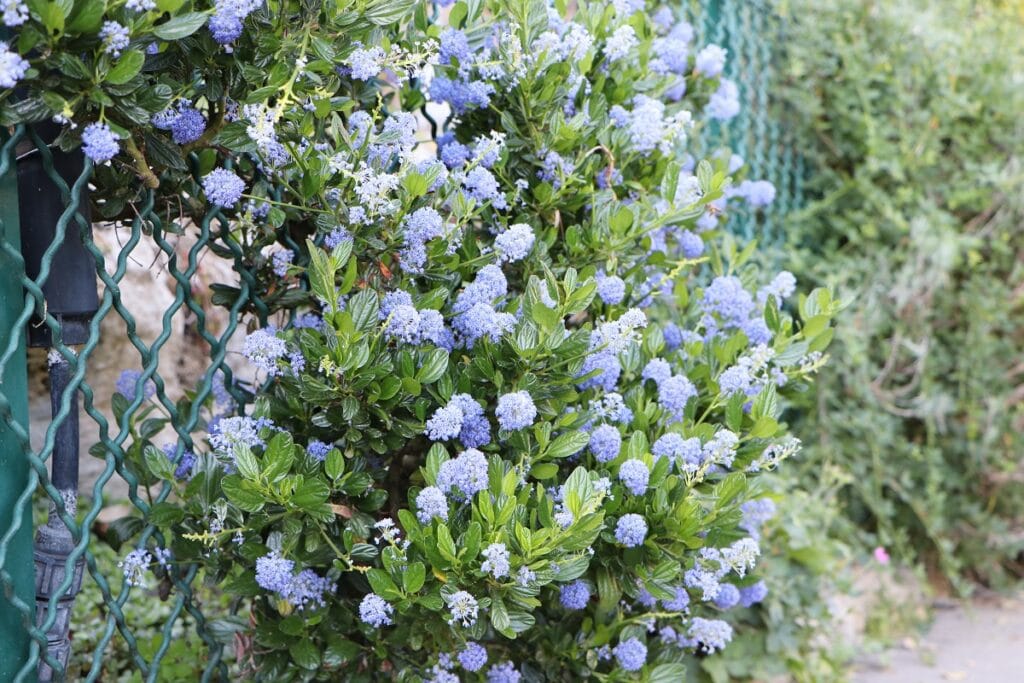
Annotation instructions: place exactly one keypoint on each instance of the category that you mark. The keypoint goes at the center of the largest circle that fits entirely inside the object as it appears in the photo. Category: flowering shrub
(520, 380)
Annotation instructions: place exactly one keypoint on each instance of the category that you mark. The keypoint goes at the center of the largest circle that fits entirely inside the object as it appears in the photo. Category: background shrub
(911, 122)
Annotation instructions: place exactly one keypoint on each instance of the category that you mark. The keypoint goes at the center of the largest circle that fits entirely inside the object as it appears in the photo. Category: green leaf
(334, 465)
(413, 577)
(159, 465)
(435, 362)
(412, 386)
(567, 444)
(180, 26)
(382, 584)
(321, 275)
(339, 650)
(292, 626)
(246, 463)
(128, 65)
(310, 494)
(364, 309)
(821, 342)
(668, 673)
(246, 499)
(165, 515)
(445, 543)
(279, 457)
(305, 654)
(499, 618)
(728, 489)
(52, 15)
(470, 541)
(86, 17)
(543, 471)
(387, 12)
(734, 411)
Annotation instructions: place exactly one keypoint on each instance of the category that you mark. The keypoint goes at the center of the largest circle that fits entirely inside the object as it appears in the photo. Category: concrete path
(977, 642)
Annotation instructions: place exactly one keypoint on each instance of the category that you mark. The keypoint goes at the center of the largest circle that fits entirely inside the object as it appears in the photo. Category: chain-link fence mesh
(755, 36)
(153, 241)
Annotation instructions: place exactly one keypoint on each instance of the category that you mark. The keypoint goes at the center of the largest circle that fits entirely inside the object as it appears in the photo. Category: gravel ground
(981, 641)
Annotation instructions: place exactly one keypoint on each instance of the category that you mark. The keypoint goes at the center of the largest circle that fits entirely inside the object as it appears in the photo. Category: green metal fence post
(14, 467)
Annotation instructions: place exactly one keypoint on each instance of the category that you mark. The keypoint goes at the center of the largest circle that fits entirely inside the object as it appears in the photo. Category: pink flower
(881, 556)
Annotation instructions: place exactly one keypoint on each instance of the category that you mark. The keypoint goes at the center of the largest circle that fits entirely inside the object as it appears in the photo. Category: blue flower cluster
(515, 410)
(462, 418)
(305, 589)
(467, 474)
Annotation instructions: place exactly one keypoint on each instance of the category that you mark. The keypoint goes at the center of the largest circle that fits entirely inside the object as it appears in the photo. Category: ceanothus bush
(518, 380)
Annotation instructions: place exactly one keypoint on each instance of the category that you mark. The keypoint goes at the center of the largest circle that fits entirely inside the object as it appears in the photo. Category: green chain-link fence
(748, 29)
(755, 37)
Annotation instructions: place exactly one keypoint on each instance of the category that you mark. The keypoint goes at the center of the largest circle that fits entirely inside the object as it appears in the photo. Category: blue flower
(480, 321)
(496, 563)
(673, 395)
(712, 634)
(238, 430)
(631, 530)
(430, 503)
(99, 143)
(608, 370)
(184, 463)
(274, 573)
(611, 289)
(515, 411)
(503, 673)
(264, 349)
(710, 61)
(758, 193)
(460, 93)
(620, 43)
(482, 186)
(336, 237)
(781, 287)
(226, 22)
(691, 244)
(724, 103)
(634, 474)
(631, 654)
(115, 37)
(126, 385)
(515, 243)
(375, 611)
(12, 66)
(445, 424)
(736, 380)
(473, 657)
(574, 595)
(15, 12)
(318, 450)
(605, 443)
(223, 188)
(365, 63)
(188, 125)
(464, 608)
(454, 46)
(466, 473)
(751, 595)
(755, 514)
(728, 596)
(657, 369)
(703, 580)
(680, 602)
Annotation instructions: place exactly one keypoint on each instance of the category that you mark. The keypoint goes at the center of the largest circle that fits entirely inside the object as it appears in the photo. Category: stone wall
(147, 291)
